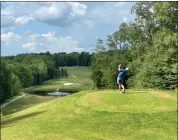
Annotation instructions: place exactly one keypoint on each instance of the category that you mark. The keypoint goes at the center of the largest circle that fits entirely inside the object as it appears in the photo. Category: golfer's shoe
(121, 92)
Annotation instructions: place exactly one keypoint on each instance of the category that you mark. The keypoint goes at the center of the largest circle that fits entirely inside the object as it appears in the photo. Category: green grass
(25, 102)
(97, 115)
(136, 102)
(79, 76)
(141, 114)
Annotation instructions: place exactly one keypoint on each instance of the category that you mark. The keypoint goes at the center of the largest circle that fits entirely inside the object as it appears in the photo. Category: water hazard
(57, 93)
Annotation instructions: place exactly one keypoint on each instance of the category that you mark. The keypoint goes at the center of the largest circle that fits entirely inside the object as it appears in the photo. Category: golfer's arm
(118, 69)
(127, 69)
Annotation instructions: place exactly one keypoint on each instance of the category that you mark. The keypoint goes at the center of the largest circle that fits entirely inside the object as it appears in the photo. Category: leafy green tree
(96, 76)
(148, 46)
(59, 73)
(6, 84)
(25, 76)
(62, 72)
(16, 86)
(66, 73)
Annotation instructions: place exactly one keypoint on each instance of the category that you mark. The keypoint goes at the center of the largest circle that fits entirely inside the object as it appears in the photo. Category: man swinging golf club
(120, 78)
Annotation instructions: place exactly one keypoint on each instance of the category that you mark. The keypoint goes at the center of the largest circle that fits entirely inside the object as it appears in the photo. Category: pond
(54, 93)
(57, 93)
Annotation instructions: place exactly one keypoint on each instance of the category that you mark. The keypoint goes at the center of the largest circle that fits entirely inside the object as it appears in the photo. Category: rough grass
(96, 115)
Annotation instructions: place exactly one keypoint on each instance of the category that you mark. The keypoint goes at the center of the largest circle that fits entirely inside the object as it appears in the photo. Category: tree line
(72, 59)
(148, 46)
(24, 70)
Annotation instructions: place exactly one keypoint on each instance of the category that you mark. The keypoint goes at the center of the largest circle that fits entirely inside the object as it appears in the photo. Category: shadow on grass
(21, 105)
(8, 122)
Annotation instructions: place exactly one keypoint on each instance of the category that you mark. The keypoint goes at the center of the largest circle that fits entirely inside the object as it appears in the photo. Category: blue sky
(59, 26)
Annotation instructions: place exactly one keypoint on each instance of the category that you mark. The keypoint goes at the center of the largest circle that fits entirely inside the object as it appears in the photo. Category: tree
(100, 48)
(6, 90)
(25, 76)
(16, 86)
(148, 46)
(62, 72)
(97, 78)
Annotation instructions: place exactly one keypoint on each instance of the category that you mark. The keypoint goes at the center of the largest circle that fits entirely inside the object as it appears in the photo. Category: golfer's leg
(118, 83)
(119, 86)
(123, 88)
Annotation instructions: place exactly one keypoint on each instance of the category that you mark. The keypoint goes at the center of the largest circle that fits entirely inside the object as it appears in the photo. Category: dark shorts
(120, 80)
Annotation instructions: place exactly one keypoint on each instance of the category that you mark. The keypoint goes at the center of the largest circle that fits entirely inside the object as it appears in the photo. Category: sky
(28, 27)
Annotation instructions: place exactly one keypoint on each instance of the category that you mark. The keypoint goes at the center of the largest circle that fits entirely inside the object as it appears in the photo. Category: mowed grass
(136, 102)
(97, 115)
(79, 76)
(25, 102)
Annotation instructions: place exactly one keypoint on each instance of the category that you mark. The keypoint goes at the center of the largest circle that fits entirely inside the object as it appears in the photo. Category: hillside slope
(97, 115)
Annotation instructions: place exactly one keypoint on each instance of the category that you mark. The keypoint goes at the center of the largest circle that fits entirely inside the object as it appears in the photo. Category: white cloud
(29, 46)
(23, 20)
(10, 21)
(49, 34)
(49, 12)
(15, 13)
(62, 44)
(64, 14)
(33, 36)
(53, 44)
(7, 21)
(53, 13)
(10, 35)
(60, 14)
(95, 19)
(77, 9)
(41, 42)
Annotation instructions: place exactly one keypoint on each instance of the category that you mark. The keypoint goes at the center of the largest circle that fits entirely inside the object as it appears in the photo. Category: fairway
(78, 76)
(97, 115)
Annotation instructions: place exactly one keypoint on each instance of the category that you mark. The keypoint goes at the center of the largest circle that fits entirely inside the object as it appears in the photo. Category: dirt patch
(163, 95)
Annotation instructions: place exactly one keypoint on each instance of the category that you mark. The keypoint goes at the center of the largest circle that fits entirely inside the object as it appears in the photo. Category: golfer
(120, 78)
